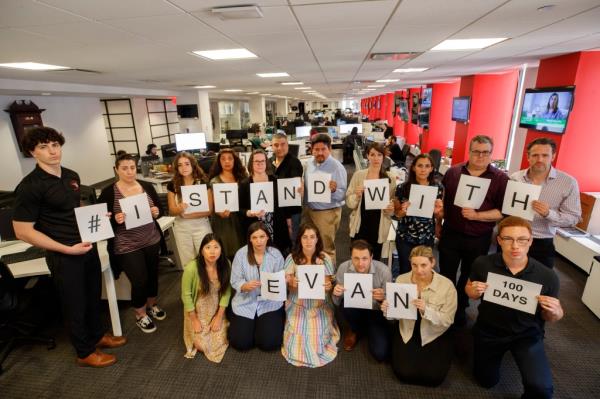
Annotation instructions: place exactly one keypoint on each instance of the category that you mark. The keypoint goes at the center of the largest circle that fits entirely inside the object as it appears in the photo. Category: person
(422, 348)
(260, 140)
(228, 168)
(388, 131)
(466, 232)
(189, 228)
(254, 321)
(552, 111)
(326, 215)
(371, 225)
(394, 151)
(121, 152)
(135, 250)
(415, 230)
(369, 322)
(349, 143)
(287, 166)
(205, 293)
(44, 216)
(498, 328)
(152, 149)
(311, 333)
(258, 170)
(559, 202)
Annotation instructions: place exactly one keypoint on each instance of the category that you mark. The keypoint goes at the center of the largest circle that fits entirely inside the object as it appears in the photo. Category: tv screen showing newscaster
(546, 109)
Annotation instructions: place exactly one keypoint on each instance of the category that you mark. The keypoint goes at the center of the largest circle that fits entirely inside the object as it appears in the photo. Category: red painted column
(381, 112)
(461, 129)
(441, 125)
(389, 109)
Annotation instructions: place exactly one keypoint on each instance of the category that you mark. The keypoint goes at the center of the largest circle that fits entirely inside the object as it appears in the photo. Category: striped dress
(311, 333)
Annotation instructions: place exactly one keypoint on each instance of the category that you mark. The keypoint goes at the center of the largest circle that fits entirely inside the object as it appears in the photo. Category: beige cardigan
(353, 203)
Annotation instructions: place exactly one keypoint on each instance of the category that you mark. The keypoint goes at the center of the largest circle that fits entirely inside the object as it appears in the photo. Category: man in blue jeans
(499, 328)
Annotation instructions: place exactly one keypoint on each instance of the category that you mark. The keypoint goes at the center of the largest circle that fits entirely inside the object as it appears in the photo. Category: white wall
(80, 120)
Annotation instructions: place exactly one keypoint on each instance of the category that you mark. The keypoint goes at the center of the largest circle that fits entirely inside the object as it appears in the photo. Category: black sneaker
(156, 313)
(146, 324)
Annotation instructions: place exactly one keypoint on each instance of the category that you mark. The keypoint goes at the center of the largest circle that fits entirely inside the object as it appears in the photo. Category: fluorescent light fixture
(376, 86)
(46, 94)
(387, 80)
(409, 70)
(228, 54)
(467, 44)
(233, 90)
(292, 83)
(302, 88)
(33, 66)
(253, 92)
(205, 87)
(272, 74)
(369, 89)
(266, 94)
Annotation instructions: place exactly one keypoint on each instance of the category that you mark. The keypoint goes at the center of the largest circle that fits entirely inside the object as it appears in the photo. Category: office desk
(160, 184)
(579, 250)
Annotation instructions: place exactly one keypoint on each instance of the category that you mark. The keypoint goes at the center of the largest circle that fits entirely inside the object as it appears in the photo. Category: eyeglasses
(259, 161)
(522, 241)
(481, 153)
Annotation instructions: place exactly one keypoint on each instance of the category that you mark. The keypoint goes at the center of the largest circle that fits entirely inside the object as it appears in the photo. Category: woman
(371, 225)
(275, 224)
(205, 293)
(136, 250)
(228, 168)
(255, 321)
(189, 228)
(422, 348)
(415, 230)
(552, 111)
(311, 334)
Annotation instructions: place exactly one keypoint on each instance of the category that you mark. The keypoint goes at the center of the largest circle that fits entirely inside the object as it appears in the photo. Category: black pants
(456, 249)
(542, 250)
(264, 331)
(141, 267)
(372, 324)
(78, 281)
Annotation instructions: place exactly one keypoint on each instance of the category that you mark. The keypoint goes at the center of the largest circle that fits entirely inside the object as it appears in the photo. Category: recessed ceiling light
(302, 88)
(467, 44)
(233, 90)
(266, 94)
(409, 70)
(272, 74)
(376, 86)
(369, 89)
(46, 94)
(33, 66)
(205, 87)
(254, 92)
(292, 83)
(386, 80)
(228, 54)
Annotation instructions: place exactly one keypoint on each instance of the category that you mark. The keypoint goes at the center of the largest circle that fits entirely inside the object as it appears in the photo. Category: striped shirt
(248, 304)
(137, 238)
(561, 192)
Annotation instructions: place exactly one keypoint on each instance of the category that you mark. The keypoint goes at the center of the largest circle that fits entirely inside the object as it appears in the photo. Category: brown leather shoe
(97, 359)
(110, 341)
(350, 339)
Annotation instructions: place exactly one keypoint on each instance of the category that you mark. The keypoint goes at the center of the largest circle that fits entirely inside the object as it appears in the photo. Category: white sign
(196, 197)
(376, 194)
(422, 200)
(311, 281)
(392, 231)
(358, 291)
(317, 186)
(512, 292)
(471, 191)
(226, 197)
(93, 223)
(399, 298)
(518, 197)
(137, 210)
(272, 286)
(287, 192)
(261, 196)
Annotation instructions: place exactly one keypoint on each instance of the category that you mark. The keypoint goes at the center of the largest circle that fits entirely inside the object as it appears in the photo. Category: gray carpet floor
(153, 366)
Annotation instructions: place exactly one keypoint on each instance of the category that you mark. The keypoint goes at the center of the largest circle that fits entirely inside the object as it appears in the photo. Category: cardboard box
(590, 213)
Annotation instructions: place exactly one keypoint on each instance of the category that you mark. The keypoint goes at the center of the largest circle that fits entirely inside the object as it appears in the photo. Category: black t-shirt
(500, 320)
(49, 202)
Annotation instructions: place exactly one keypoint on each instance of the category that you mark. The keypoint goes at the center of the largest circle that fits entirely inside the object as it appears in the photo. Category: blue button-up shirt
(338, 174)
(247, 304)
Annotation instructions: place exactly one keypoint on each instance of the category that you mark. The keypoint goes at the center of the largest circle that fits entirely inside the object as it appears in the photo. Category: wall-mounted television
(403, 108)
(347, 128)
(187, 111)
(460, 109)
(547, 109)
(426, 98)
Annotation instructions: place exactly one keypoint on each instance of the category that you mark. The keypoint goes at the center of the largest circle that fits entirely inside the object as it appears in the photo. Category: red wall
(441, 125)
(412, 131)
(460, 131)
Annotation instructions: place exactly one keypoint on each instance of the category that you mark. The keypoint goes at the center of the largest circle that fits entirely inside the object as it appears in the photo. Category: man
(326, 215)
(369, 322)
(559, 204)
(286, 166)
(466, 233)
(44, 217)
(499, 328)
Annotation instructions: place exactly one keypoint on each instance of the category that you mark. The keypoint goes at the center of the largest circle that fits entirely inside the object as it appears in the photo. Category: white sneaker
(156, 313)
(146, 324)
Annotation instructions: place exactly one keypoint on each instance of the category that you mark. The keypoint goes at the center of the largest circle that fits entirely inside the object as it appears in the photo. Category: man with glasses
(559, 204)
(499, 328)
(466, 232)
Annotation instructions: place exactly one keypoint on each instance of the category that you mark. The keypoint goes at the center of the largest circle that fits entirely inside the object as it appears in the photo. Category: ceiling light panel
(273, 74)
(291, 83)
(33, 66)
(467, 44)
(409, 70)
(387, 80)
(226, 54)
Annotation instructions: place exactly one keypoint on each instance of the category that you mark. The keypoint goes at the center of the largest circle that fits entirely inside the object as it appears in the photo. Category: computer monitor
(168, 150)
(347, 128)
(340, 122)
(190, 141)
(214, 147)
(332, 131)
(303, 131)
(294, 149)
(150, 158)
(236, 134)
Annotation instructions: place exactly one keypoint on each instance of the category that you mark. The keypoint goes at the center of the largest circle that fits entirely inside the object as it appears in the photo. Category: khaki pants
(328, 223)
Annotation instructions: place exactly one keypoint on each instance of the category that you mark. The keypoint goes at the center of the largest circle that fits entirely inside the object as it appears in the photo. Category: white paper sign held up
(422, 200)
(518, 197)
(376, 194)
(358, 291)
(399, 298)
(471, 191)
(137, 210)
(311, 281)
(287, 192)
(261, 197)
(226, 197)
(272, 286)
(512, 292)
(196, 197)
(317, 187)
(93, 224)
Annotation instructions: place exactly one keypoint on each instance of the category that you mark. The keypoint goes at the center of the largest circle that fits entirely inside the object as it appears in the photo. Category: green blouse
(189, 288)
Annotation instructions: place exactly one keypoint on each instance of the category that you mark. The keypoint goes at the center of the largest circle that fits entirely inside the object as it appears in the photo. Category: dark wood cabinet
(24, 115)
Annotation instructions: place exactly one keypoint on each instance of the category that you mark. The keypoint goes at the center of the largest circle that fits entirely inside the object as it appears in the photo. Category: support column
(205, 116)
(257, 110)
(282, 107)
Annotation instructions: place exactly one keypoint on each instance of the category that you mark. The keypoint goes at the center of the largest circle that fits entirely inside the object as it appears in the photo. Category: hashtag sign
(94, 223)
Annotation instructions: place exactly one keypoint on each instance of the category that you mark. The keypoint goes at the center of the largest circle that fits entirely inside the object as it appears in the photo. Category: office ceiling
(323, 43)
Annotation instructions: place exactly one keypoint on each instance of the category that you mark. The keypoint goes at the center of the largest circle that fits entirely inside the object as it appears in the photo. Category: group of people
(225, 252)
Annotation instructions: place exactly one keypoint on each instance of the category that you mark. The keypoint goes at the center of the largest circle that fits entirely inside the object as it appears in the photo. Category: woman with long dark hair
(205, 293)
